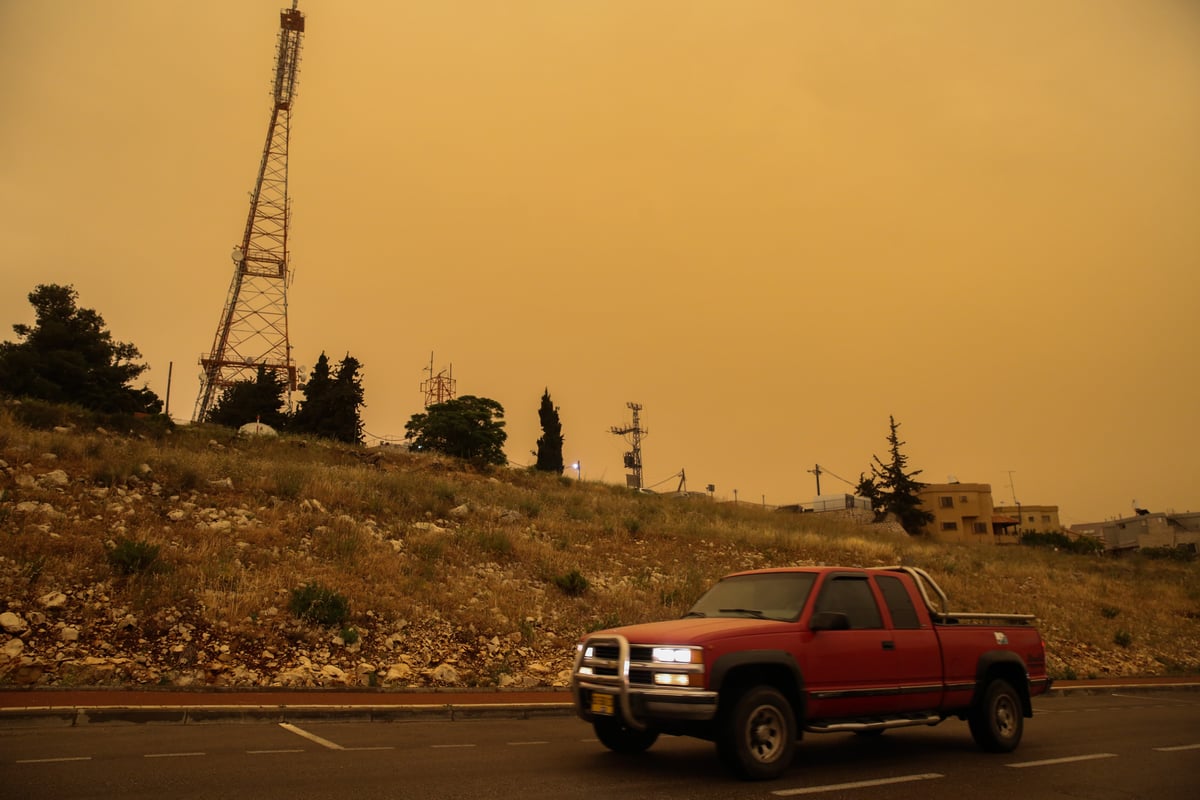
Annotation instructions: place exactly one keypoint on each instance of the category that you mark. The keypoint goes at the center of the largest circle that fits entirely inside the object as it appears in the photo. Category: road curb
(79, 715)
(1124, 688)
(207, 715)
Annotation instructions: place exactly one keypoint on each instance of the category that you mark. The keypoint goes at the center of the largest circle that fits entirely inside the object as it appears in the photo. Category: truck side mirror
(829, 621)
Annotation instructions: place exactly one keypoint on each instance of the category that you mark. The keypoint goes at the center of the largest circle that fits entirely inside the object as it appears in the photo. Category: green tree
(332, 402)
(312, 410)
(866, 488)
(67, 356)
(467, 427)
(259, 400)
(897, 490)
(345, 401)
(550, 446)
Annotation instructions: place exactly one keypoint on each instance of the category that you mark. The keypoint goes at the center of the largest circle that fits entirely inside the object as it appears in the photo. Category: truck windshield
(766, 595)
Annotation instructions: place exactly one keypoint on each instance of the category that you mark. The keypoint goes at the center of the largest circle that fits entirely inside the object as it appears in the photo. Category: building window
(1045, 517)
(981, 527)
(949, 526)
(946, 502)
(962, 499)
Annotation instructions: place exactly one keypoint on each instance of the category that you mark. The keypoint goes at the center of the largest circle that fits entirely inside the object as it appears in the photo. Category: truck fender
(1007, 665)
(766, 666)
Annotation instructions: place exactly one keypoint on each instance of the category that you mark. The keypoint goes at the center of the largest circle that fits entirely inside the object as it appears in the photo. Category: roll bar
(941, 613)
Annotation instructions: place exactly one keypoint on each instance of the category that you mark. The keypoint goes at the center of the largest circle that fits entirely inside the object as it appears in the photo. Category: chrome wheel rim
(765, 731)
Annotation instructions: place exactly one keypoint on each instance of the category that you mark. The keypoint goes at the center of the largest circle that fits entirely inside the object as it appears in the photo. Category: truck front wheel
(758, 736)
(997, 721)
(620, 738)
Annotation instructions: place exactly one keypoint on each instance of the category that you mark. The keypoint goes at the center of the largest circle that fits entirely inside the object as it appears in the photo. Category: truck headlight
(675, 655)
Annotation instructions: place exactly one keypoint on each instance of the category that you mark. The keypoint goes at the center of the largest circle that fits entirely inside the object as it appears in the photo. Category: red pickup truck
(768, 654)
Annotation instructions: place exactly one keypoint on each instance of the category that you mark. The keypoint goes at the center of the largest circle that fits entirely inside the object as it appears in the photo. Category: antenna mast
(440, 387)
(253, 330)
(633, 434)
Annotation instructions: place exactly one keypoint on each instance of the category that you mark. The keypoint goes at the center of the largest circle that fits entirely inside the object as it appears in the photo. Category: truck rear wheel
(998, 720)
(758, 736)
(614, 734)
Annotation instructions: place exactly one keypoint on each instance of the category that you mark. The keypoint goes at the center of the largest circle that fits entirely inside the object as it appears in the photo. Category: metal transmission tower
(440, 387)
(253, 331)
(633, 434)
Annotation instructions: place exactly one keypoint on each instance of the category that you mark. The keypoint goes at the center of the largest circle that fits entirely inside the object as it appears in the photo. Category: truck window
(900, 605)
(851, 595)
(767, 595)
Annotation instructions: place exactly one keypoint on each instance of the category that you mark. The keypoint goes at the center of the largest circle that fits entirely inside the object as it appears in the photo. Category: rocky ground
(89, 631)
(79, 635)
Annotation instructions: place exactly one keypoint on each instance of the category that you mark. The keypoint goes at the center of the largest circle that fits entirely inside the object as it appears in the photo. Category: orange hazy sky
(771, 223)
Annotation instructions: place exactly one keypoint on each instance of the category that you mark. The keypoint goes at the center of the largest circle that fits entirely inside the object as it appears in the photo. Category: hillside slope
(173, 557)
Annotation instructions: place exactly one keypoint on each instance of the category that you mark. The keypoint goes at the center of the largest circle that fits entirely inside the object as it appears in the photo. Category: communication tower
(633, 435)
(253, 331)
(440, 387)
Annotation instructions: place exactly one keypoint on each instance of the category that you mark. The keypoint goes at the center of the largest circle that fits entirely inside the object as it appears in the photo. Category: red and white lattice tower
(253, 331)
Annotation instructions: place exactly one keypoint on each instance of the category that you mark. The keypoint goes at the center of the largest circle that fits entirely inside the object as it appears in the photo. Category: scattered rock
(13, 624)
(54, 478)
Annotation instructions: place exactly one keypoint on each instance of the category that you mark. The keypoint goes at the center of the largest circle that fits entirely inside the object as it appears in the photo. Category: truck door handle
(888, 645)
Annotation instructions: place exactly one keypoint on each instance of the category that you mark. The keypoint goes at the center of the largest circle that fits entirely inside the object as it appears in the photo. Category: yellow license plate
(603, 704)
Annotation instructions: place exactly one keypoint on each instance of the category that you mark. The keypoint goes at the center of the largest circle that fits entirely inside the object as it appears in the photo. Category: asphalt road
(1100, 746)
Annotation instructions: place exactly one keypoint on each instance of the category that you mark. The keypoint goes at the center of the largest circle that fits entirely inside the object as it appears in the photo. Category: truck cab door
(915, 657)
(846, 672)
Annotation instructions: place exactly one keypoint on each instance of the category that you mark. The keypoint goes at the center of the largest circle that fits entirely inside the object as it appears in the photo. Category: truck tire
(758, 736)
(614, 734)
(997, 720)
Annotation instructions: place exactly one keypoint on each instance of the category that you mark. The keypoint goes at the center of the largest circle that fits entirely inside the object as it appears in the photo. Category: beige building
(962, 512)
(1033, 519)
(1145, 530)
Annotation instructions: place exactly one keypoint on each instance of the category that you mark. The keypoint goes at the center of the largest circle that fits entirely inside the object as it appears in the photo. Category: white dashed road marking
(52, 760)
(312, 737)
(1068, 760)
(172, 755)
(837, 787)
(1180, 747)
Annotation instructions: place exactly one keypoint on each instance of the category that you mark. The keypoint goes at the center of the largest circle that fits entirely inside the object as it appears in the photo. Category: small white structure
(257, 429)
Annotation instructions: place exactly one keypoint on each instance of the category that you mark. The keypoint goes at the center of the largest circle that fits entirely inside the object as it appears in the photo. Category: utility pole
(816, 470)
(633, 435)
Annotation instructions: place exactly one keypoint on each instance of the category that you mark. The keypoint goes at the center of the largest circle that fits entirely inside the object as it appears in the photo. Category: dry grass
(242, 522)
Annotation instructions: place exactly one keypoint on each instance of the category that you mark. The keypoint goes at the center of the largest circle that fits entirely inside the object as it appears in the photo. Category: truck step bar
(871, 724)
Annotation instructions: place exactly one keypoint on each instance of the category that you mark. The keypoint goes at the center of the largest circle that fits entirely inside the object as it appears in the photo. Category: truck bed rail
(941, 613)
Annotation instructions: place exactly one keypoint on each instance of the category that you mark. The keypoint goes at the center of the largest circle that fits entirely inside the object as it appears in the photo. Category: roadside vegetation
(345, 541)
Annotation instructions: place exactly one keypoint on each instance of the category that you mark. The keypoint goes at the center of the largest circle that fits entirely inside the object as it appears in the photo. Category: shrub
(349, 636)
(1123, 638)
(1169, 553)
(1109, 612)
(131, 557)
(1083, 545)
(572, 584)
(318, 604)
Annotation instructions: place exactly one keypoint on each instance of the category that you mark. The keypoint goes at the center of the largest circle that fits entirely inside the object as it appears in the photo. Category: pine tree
(311, 410)
(67, 356)
(345, 401)
(331, 404)
(259, 400)
(550, 446)
(898, 492)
